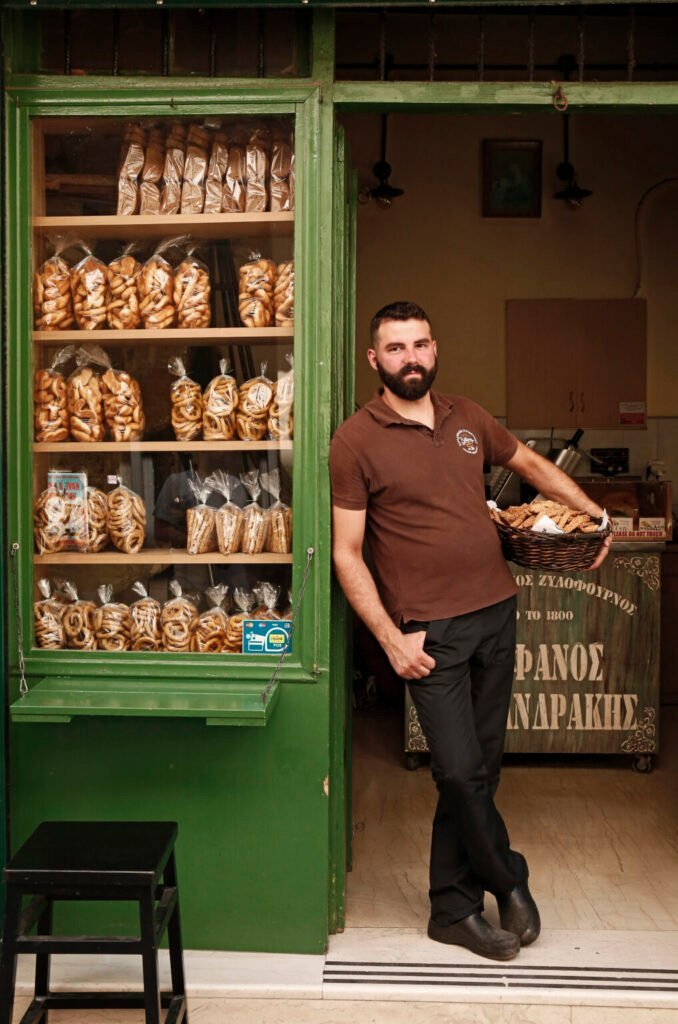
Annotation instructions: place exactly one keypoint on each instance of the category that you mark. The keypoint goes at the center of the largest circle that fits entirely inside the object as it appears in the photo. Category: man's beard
(409, 388)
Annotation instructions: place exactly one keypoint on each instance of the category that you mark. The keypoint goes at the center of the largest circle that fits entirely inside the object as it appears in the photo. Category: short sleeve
(349, 486)
(499, 444)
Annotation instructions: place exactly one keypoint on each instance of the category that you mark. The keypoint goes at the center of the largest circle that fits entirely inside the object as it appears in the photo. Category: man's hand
(408, 657)
(602, 554)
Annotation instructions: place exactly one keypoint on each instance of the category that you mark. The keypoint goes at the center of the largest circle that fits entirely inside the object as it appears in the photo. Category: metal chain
(309, 558)
(23, 685)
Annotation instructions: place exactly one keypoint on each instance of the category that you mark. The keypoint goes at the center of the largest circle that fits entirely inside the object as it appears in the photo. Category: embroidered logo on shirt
(467, 441)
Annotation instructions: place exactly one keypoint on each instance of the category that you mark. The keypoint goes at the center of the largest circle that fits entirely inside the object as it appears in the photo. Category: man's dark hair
(397, 311)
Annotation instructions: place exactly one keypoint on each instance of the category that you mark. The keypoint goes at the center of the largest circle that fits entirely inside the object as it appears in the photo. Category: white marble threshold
(566, 968)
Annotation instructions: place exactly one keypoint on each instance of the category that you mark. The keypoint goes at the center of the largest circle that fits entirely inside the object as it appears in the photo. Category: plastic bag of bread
(89, 288)
(281, 165)
(83, 394)
(47, 619)
(130, 169)
(126, 519)
(288, 612)
(208, 631)
(283, 295)
(201, 526)
(267, 595)
(216, 172)
(173, 169)
(195, 170)
(292, 177)
(97, 520)
(219, 402)
(123, 406)
(123, 313)
(151, 174)
(243, 601)
(257, 163)
(256, 287)
(255, 518)
(255, 397)
(279, 516)
(78, 620)
(234, 192)
(281, 411)
(186, 399)
(192, 291)
(146, 633)
(229, 517)
(112, 622)
(52, 299)
(178, 614)
(156, 288)
(50, 402)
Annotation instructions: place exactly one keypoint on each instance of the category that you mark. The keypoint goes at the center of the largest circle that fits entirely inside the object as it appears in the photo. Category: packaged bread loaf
(219, 402)
(283, 295)
(256, 286)
(156, 287)
(97, 520)
(52, 299)
(112, 622)
(234, 193)
(123, 312)
(229, 517)
(208, 631)
(83, 394)
(201, 527)
(151, 175)
(146, 632)
(130, 169)
(267, 595)
(281, 411)
(195, 170)
(173, 170)
(216, 171)
(243, 601)
(47, 619)
(281, 165)
(78, 620)
(178, 614)
(123, 406)
(50, 402)
(279, 516)
(255, 397)
(126, 520)
(192, 291)
(89, 288)
(257, 163)
(186, 399)
(255, 518)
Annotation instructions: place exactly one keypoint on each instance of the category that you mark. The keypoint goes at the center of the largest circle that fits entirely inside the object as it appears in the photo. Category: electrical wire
(636, 229)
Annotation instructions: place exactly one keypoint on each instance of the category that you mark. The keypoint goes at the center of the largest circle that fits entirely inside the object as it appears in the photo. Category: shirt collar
(386, 416)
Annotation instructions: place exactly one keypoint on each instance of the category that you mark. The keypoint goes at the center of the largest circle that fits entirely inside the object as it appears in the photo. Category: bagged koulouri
(281, 411)
(97, 520)
(255, 518)
(52, 299)
(50, 402)
(255, 397)
(146, 632)
(89, 288)
(112, 622)
(208, 631)
(156, 290)
(126, 520)
(192, 292)
(267, 595)
(201, 527)
(281, 166)
(243, 601)
(229, 517)
(279, 516)
(186, 399)
(78, 621)
(84, 397)
(47, 617)
(178, 613)
(123, 406)
(130, 169)
(256, 292)
(123, 312)
(220, 400)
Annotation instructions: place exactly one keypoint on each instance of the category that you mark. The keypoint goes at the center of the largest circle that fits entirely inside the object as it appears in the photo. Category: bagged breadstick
(123, 407)
(281, 411)
(255, 291)
(173, 170)
(281, 165)
(267, 595)
(244, 602)
(78, 620)
(229, 518)
(216, 171)
(195, 170)
(47, 617)
(234, 193)
(130, 169)
(178, 614)
(255, 397)
(83, 394)
(97, 520)
(192, 291)
(52, 300)
(146, 633)
(186, 399)
(209, 629)
(201, 527)
(255, 519)
(50, 403)
(123, 312)
(151, 174)
(112, 622)
(89, 289)
(279, 516)
(126, 520)
(220, 400)
(257, 169)
(156, 286)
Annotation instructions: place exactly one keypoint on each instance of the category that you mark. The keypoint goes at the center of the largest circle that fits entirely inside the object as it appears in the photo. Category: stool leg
(150, 958)
(8, 956)
(42, 960)
(176, 949)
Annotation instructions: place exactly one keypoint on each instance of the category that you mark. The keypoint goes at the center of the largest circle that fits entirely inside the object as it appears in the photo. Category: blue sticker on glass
(266, 636)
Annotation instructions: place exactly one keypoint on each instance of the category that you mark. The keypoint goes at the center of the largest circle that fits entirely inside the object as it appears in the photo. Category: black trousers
(462, 707)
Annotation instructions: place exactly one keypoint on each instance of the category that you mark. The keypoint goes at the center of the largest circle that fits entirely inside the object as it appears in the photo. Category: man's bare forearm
(361, 593)
(556, 485)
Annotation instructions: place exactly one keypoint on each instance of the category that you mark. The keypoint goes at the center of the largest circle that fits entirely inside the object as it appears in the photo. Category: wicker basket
(573, 551)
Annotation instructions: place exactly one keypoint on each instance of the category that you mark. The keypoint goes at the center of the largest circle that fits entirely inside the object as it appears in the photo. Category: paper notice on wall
(632, 414)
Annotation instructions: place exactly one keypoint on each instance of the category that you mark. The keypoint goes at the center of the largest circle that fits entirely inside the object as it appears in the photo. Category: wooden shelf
(160, 446)
(206, 336)
(159, 556)
(205, 225)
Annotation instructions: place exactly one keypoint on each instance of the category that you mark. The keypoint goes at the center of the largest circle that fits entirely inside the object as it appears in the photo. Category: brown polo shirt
(436, 552)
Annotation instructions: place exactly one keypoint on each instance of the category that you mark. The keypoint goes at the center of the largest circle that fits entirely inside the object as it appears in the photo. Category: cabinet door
(541, 366)
(611, 362)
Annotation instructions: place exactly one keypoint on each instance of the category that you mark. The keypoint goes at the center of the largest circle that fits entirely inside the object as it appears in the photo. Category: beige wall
(432, 245)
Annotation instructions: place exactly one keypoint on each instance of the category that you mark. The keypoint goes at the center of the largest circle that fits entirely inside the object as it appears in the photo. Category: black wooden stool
(94, 860)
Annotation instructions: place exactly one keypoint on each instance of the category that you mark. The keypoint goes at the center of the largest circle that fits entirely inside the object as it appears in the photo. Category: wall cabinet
(576, 363)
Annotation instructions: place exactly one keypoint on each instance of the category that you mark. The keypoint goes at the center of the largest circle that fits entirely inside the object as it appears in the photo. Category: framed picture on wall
(511, 178)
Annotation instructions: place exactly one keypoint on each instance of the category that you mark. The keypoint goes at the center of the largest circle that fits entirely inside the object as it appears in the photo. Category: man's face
(406, 357)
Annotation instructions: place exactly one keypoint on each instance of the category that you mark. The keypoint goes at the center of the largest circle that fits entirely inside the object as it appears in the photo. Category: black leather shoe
(518, 914)
(476, 934)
